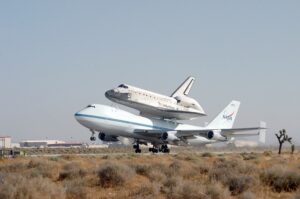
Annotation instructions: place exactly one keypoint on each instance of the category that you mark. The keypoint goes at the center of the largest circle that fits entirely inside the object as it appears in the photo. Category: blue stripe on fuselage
(122, 121)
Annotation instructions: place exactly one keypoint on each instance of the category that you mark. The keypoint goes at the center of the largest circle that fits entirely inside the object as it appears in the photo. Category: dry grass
(184, 175)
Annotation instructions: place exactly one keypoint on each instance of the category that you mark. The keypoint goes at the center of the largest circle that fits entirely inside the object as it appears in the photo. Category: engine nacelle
(107, 138)
(215, 135)
(170, 136)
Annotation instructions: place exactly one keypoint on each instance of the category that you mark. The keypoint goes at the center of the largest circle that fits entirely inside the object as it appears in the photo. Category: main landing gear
(93, 138)
(164, 149)
(137, 147)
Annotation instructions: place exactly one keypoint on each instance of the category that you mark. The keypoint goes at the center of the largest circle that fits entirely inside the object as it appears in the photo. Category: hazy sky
(58, 56)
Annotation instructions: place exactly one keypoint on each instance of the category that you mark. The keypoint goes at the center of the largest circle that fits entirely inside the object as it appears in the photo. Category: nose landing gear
(92, 138)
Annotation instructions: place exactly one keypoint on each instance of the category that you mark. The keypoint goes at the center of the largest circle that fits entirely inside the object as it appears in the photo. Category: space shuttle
(178, 106)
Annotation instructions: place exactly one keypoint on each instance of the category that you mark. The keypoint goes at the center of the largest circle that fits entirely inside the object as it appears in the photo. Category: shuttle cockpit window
(123, 86)
(91, 106)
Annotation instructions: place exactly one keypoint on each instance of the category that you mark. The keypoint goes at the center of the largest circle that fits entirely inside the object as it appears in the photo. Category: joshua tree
(282, 137)
(293, 148)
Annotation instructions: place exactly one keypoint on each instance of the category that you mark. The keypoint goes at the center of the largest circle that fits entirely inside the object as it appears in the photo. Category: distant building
(67, 145)
(39, 143)
(5, 142)
(98, 146)
(50, 144)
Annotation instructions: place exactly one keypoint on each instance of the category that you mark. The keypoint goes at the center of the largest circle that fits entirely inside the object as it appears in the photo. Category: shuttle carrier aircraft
(179, 106)
(112, 123)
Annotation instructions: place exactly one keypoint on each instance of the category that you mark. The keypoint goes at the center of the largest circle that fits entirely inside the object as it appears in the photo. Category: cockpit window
(91, 106)
(123, 86)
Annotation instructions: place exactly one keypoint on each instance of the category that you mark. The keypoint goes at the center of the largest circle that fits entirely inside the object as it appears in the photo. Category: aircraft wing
(185, 134)
(202, 132)
(153, 133)
(224, 132)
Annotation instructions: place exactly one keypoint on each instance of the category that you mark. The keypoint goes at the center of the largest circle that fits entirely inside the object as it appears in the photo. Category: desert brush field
(180, 175)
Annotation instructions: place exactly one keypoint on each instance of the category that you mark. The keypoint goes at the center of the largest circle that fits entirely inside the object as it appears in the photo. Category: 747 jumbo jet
(112, 123)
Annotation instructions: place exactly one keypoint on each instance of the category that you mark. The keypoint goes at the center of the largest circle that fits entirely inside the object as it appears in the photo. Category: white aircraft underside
(112, 123)
(162, 112)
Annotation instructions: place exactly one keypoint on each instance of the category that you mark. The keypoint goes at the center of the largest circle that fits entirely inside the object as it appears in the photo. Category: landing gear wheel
(92, 138)
(138, 150)
(137, 147)
(153, 150)
(166, 151)
(164, 148)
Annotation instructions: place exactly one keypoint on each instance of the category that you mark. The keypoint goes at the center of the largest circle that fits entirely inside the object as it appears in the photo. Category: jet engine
(215, 135)
(107, 138)
(169, 136)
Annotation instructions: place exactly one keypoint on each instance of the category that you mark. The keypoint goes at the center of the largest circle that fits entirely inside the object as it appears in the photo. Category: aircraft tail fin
(262, 133)
(226, 118)
(184, 88)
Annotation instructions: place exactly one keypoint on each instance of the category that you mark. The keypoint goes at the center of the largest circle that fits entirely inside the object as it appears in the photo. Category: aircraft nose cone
(109, 93)
(81, 118)
(77, 116)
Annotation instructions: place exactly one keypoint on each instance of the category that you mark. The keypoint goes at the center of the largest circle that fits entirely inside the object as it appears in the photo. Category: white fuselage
(153, 104)
(116, 122)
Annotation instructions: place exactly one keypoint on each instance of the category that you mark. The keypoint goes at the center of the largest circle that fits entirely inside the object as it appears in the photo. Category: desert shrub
(67, 157)
(42, 168)
(185, 157)
(207, 154)
(173, 169)
(147, 189)
(224, 169)
(216, 191)
(142, 169)
(18, 187)
(13, 167)
(220, 174)
(176, 165)
(55, 158)
(203, 168)
(112, 175)
(179, 168)
(177, 188)
(170, 184)
(154, 172)
(239, 184)
(267, 153)
(234, 174)
(2, 177)
(71, 171)
(297, 195)
(249, 156)
(281, 179)
(156, 176)
(76, 189)
(247, 195)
